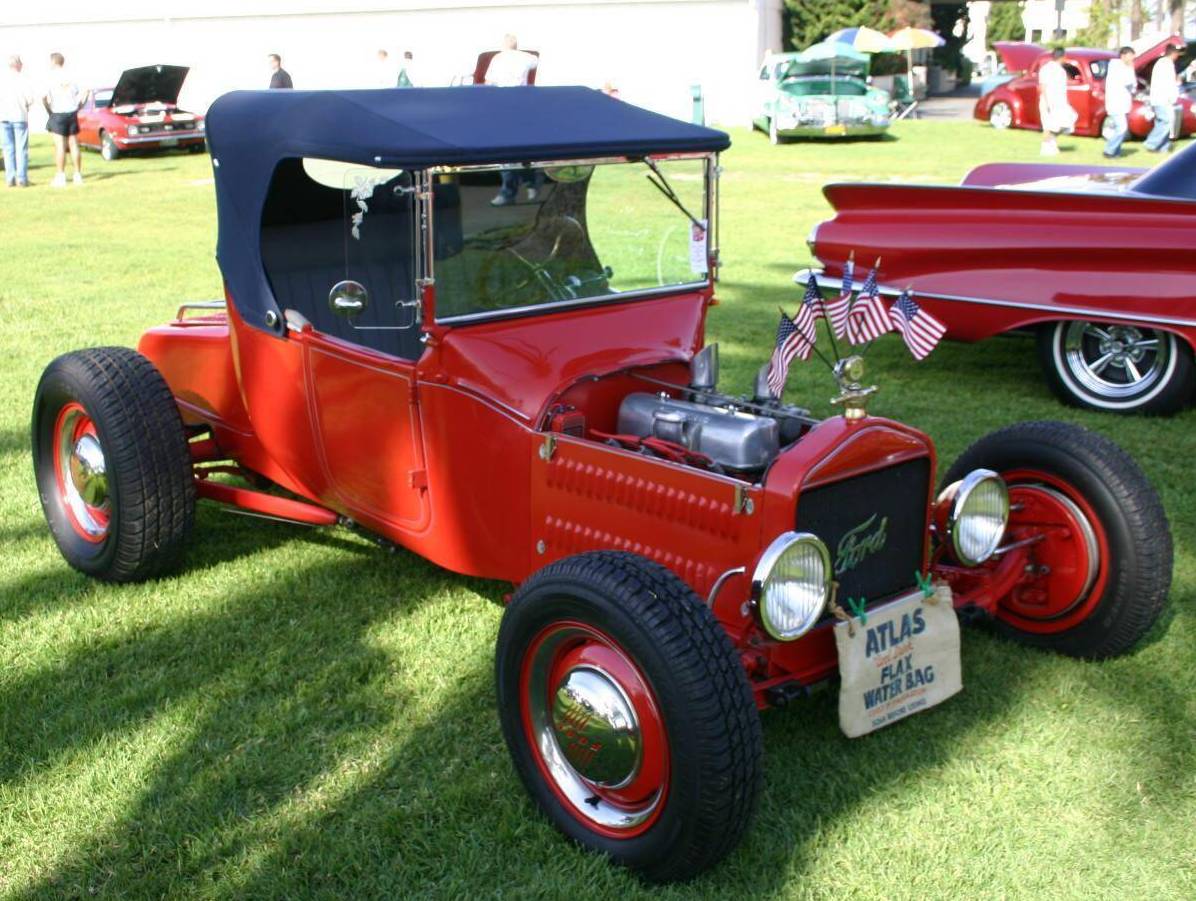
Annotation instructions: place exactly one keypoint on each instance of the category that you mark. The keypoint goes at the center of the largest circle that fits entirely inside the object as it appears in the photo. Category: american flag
(869, 318)
(812, 300)
(838, 308)
(795, 338)
(919, 329)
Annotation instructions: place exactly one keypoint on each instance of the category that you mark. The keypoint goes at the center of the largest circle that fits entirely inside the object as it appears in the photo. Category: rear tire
(1106, 544)
(1000, 115)
(1116, 367)
(671, 792)
(112, 464)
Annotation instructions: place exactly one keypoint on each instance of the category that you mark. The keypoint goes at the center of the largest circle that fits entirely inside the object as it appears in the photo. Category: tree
(1005, 22)
(1104, 16)
(807, 22)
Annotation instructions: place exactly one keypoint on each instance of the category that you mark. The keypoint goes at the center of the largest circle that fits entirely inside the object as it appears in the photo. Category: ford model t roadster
(471, 323)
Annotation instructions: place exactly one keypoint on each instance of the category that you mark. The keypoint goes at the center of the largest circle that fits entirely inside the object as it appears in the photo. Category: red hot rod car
(1015, 103)
(521, 392)
(140, 113)
(1094, 261)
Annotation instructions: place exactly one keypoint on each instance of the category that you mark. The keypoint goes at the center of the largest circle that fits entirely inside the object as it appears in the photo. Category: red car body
(1031, 247)
(140, 113)
(1017, 100)
(491, 439)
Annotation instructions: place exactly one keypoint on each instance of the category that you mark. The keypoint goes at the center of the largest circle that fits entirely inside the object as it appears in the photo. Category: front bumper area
(833, 129)
(175, 139)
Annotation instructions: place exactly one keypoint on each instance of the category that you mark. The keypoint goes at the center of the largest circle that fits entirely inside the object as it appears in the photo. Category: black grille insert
(874, 526)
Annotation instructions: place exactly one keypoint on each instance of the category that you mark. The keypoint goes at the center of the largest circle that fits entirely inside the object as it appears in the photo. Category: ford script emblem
(868, 537)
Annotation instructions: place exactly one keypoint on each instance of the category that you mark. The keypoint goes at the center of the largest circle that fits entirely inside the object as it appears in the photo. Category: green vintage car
(821, 92)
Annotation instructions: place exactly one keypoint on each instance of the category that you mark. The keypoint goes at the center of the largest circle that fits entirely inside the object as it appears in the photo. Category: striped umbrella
(910, 39)
(863, 38)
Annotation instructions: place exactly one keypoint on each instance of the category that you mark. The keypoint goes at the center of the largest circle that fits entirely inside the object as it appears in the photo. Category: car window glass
(1073, 72)
(528, 236)
(764, 73)
(1099, 69)
(326, 222)
(102, 98)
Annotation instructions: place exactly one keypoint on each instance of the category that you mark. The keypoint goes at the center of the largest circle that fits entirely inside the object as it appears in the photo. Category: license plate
(904, 659)
(835, 130)
(169, 142)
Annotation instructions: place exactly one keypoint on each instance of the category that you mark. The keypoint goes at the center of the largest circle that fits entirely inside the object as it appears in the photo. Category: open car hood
(1145, 56)
(1018, 56)
(149, 84)
(825, 58)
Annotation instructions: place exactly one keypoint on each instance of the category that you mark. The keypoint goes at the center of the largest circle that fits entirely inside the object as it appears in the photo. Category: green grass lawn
(298, 713)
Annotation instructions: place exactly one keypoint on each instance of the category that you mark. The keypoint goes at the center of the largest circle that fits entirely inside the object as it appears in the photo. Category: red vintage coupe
(1095, 261)
(1015, 103)
(140, 113)
(524, 392)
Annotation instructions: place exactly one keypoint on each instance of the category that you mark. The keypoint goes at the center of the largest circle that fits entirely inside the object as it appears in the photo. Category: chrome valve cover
(732, 438)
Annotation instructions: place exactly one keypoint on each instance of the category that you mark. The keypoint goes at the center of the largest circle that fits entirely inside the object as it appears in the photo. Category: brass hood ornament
(849, 372)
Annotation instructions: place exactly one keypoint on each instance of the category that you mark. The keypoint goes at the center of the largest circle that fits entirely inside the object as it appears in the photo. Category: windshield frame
(709, 213)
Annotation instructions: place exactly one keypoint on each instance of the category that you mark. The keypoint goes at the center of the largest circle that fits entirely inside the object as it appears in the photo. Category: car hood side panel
(521, 363)
(149, 84)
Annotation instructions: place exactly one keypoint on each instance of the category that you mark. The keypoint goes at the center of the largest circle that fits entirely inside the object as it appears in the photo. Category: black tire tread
(707, 668)
(147, 455)
(1141, 582)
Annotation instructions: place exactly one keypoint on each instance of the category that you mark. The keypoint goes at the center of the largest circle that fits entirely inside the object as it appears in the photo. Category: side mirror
(703, 369)
(348, 298)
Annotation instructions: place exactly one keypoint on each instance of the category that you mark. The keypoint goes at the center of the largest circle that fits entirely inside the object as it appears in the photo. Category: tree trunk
(1135, 19)
(1177, 16)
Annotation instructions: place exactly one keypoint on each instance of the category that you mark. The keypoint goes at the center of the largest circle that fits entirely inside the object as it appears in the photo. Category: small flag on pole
(812, 299)
(795, 338)
(920, 331)
(868, 318)
(838, 308)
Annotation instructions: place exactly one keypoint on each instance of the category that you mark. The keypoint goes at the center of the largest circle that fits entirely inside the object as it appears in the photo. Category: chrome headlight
(792, 584)
(979, 513)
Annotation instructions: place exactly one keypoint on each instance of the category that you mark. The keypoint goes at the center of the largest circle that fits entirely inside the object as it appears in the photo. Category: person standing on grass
(15, 100)
(1164, 92)
(1054, 111)
(279, 77)
(63, 100)
(1120, 83)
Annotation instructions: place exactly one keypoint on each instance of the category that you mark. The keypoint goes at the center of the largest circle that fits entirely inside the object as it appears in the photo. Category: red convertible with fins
(1094, 261)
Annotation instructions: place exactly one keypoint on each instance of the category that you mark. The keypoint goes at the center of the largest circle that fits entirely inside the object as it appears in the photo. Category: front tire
(108, 149)
(1116, 367)
(1000, 115)
(112, 464)
(628, 715)
(1100, 565)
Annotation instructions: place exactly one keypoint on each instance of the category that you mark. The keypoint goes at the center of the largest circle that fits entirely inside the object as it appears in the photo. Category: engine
(736, 434)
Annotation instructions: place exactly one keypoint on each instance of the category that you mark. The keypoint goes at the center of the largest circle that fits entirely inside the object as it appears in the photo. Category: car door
(87, 123)
(346, 268)
(1026, 88)
(1079, 93)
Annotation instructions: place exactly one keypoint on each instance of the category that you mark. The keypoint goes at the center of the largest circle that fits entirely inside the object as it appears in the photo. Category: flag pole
(830, 328)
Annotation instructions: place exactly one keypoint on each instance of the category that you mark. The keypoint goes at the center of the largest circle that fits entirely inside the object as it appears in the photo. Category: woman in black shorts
(63, 101)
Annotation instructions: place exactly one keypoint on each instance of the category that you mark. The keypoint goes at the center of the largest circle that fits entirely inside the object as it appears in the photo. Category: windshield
(532, 235)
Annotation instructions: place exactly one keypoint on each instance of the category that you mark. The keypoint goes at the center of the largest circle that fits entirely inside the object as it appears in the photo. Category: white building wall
(651, 50)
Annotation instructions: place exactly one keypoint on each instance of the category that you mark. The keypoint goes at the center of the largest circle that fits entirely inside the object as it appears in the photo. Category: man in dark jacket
(279, 77)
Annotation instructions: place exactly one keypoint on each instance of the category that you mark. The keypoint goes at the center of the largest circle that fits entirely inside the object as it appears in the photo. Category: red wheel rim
(594, 728)
(80, 473)
(1071, 557)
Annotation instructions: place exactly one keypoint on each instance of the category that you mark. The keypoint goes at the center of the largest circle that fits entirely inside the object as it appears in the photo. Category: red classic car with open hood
(140, 113)
(1096, 261)
(524, 393)
(1015, 103)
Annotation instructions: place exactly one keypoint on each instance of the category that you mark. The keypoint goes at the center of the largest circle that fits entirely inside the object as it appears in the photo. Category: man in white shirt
(511, 67)
(63, 100)
(1164, 91)
(1120, 83)
(1055, 111)
(15, 100)
(386, 74)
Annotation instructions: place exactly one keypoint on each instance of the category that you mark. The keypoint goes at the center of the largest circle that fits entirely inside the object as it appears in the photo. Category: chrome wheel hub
(596, 728)
(88, 473)
(1115, 361)
(82, 473)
